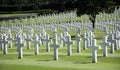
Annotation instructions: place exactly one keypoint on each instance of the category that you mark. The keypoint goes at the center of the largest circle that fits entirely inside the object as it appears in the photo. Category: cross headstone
(40, 38)
(20, 44)
(62, 39)
(105, 30)
(78, 38)
(55, 46)
(9, 40)
(117, 38)
(94, 48)
(104, 43)
(28, 39)
(5, 42)
(112, 41)
(36, 43)
(78, 30)
(91, 37)
(84, 41)
(47, 40)
(69, 42)
(1, 41)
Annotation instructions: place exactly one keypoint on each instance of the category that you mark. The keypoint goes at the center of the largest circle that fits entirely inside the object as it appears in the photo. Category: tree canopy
(94, 7)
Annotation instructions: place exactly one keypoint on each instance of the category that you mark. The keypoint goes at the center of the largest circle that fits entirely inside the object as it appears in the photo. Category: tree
(94, 7)
(89, 7)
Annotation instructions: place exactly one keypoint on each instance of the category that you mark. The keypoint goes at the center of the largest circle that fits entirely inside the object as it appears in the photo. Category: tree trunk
(92, 18)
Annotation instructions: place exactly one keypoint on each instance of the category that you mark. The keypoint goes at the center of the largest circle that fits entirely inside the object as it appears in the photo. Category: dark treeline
(21, 5)
(89, 7)
(59, 5)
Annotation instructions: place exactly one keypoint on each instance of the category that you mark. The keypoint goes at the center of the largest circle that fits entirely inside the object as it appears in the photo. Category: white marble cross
(117, 38)
(112, 41)
(78, 30)
(94, 48)
(62, 39)
(47, 40)
(84, 41)
(5, 42)
(78, 38)
(40, 39)
(20, 44)
(28, 39)
(55, 46)
(69, 42)
(1, 41)
(36, 43)
(104, 43)
(9, 40)
(105, 30)
(91, 37)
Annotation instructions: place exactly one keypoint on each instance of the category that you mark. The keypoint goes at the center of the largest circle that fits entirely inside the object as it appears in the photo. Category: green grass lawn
(44, 60)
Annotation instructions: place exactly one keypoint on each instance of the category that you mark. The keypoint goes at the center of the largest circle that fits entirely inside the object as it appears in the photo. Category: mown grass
(45, 61)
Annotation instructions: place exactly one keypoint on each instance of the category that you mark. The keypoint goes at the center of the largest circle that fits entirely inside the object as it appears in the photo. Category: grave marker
(117, 38)
(69, 42)
(20, 44)
(40, 39)
(104, 43)
(94, 48)
(36, 43)
(9, 40)
(112, 41)
(55, 46)
(1, 41)
(5, 42)
(62, 39)
(28, 39)
(84, 41)
(47, 40)
(78, 38)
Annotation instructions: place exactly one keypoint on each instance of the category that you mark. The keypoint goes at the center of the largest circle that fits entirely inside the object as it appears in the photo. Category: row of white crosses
(51, 18)
(113, 42)
(69, 42)
(112, 20)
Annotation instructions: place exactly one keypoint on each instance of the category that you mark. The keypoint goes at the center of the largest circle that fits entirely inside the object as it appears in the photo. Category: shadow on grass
(44, 60)
(28, 55)
(82, 62)
(97, 57)
(9, 58)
